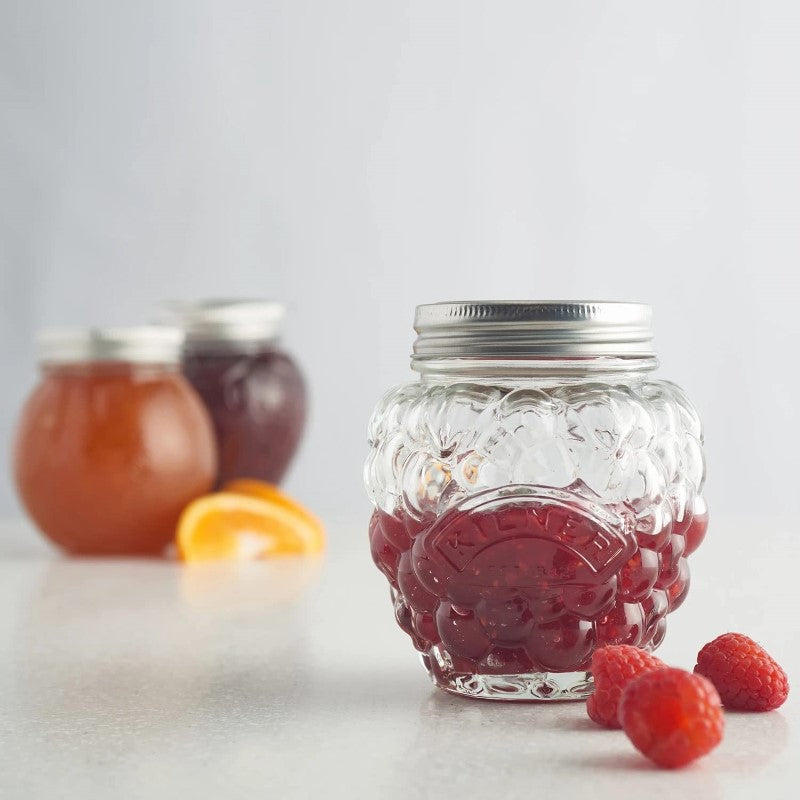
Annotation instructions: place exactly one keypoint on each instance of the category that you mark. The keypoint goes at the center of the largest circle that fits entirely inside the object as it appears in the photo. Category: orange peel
(268, 491)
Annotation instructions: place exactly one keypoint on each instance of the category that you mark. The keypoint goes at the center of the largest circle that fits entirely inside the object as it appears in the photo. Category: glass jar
(253, 390)
(536, 493)
(113, 442)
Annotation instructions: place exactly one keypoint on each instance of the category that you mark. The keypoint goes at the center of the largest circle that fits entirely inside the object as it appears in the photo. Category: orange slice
(270, 492)
(228, 525)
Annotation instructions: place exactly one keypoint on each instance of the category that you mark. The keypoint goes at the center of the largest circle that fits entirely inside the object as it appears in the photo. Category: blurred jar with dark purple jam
(253, 389)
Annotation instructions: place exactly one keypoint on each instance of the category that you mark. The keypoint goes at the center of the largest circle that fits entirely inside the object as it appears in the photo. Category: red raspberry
(671, 716)
(745, 675)
(614, 667)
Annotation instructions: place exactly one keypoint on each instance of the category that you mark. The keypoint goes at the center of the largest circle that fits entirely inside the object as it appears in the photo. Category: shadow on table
(513, 743)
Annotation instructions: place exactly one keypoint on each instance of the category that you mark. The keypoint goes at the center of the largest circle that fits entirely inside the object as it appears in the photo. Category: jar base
(530, 686)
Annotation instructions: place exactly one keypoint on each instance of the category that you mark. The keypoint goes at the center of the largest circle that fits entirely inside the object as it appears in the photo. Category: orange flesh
(230, 525)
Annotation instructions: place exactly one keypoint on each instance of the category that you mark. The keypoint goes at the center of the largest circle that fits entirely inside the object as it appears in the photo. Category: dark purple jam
(257, 400)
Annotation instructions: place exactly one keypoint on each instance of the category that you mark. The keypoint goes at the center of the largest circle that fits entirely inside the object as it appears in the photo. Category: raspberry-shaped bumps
(745, 675)
(613, 668)
(671, 716)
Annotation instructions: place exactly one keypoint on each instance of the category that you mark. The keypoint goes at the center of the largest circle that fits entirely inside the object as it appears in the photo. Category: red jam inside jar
(113, 443)
(529, 586)
(253, 390)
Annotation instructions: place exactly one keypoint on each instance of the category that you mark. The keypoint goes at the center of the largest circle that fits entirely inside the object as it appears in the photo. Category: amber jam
(108, 454)
(536, 494)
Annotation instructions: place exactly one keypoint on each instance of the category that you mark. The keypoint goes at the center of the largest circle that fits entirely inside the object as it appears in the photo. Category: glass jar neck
(109, 368)
(226, 347)
(539, 370)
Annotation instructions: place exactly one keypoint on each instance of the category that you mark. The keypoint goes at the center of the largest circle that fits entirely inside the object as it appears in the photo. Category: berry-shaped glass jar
(253, 390)
(537, 493)
(113, 443)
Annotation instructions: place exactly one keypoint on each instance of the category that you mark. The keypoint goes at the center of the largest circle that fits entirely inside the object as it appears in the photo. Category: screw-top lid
(230, 320)
(140, 344)
(512, 330)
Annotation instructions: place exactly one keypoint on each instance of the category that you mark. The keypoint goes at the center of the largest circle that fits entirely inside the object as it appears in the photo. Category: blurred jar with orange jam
(113, 443)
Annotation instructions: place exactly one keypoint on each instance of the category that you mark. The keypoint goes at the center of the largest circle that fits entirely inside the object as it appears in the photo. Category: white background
(357, 158)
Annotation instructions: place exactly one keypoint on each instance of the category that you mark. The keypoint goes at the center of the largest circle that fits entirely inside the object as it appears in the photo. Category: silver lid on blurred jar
(514, 330)
(229, 320)
(144, 344)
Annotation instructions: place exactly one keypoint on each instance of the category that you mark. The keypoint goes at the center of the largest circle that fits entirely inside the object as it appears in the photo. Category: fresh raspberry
(745, 675)
(671, 716)
(614, 667)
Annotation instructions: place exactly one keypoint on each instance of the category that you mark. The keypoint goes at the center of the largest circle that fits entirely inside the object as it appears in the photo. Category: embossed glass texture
(522, 524)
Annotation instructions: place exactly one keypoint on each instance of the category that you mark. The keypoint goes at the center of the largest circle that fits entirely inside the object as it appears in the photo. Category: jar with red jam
(252, 388)
(113, 442)
(537, 493)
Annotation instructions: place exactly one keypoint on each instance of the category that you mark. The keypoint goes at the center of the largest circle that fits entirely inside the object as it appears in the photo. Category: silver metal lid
(144, 344)
(513, 330)
(230, 320)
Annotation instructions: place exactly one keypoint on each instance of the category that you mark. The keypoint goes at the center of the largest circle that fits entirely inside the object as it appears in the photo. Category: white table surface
(148, 679)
